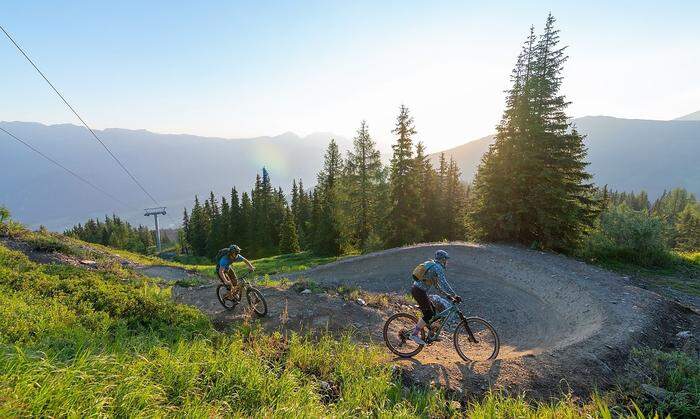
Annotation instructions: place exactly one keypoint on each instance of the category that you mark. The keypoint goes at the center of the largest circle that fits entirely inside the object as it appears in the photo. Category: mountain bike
(253, 296)
(474, 338)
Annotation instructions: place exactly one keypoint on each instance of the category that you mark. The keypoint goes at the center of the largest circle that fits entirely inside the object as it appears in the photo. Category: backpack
(221, 253)
(420, 271)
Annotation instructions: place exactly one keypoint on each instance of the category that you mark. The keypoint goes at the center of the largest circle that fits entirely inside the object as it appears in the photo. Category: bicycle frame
(447, 315)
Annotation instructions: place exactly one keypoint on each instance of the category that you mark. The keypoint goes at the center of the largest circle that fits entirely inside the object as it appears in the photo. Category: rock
(361, 302)
(657, 393)
(90, 263)
(306, 291)
(685, 334)
(325, 385)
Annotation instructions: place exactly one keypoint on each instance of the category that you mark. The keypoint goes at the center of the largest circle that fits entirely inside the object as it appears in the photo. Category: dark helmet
(234, 249)
(441, 255)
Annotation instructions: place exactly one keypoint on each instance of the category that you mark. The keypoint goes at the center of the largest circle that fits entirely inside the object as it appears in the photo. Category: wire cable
(79, 117)
(72, 173)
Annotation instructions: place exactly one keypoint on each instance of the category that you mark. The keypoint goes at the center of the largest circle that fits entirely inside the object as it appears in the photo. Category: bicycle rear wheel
(397, 335)
(476, 340)
(256, 301)
(228, 303)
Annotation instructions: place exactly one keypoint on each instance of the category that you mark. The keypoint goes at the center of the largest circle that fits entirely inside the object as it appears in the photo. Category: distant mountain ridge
(173, 167)
(625, 154)
(695, 116)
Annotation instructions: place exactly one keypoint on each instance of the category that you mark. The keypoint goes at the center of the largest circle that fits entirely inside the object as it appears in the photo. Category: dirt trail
(563, 324)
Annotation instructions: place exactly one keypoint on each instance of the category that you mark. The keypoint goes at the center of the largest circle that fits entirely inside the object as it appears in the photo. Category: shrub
(688, 228)
(624, 235)
(4, 214)
(667, 383)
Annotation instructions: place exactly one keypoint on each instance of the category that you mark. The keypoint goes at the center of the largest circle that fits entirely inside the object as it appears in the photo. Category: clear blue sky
(238, 69)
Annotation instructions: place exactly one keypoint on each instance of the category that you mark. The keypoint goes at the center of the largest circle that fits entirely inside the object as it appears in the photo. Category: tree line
(117, 233)
(358, 204)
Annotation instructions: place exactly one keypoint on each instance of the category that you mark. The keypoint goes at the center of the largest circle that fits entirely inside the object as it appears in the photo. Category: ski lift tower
(155, 212)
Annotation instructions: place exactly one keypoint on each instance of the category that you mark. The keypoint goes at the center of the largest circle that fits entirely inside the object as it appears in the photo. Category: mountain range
(173, 168)
(625, 154)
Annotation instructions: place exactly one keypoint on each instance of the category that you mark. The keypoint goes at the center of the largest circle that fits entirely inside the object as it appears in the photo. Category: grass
(682, 273)
(272, 265)
(81, 343)
(668, 383)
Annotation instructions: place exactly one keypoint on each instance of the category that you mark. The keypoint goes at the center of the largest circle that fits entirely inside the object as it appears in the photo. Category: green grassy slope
(78, 342)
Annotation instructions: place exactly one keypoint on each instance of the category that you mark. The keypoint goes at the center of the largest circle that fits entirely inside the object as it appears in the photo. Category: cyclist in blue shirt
(228, 275)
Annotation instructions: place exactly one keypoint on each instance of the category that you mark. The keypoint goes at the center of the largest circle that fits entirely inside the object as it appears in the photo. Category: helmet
(234, 249)
(441, 254)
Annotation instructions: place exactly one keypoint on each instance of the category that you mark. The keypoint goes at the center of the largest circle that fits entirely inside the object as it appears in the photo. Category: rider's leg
(426, 308)
(223, 277)
(420, 325)
(232, 291)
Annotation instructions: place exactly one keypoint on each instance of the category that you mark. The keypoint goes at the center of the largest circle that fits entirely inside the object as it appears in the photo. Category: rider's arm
(247, 262)
(443, 285)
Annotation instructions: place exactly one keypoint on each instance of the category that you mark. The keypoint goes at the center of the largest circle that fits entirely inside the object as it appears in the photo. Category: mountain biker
(228, 275)
(428, 275)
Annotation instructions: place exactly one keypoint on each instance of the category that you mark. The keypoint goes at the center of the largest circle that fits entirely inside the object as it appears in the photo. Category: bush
(624, 235)
(8, 227)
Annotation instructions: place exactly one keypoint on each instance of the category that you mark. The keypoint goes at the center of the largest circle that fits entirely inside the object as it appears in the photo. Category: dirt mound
(562, 323)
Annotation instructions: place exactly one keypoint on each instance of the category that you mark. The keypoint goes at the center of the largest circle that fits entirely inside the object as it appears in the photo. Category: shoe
(418, 339)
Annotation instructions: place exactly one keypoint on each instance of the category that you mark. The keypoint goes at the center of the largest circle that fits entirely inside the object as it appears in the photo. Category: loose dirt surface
(563, 324)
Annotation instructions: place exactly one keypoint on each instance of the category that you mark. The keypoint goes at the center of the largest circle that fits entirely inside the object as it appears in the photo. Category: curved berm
(563, 324)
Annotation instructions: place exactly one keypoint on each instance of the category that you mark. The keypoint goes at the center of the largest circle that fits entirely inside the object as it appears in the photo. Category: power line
(72, 173)
(79, 117)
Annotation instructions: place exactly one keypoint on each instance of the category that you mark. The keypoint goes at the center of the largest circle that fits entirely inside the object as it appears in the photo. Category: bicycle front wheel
(476, 340)
(256, 301)
(397, 335)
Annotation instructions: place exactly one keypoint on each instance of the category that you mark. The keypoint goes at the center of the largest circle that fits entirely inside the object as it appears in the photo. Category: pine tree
(363, 176)
(327, 238)
(532, 186)
(304, 217)
(289, 242)
(455, 203)
(403, 219)
(427, 180)
(186, 235)
(223, 234)
(198, 229)
(234, 224)
(245, 238)
(215, 226)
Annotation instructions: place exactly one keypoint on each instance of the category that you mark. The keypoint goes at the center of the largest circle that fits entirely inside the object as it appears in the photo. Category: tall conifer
(403, 219)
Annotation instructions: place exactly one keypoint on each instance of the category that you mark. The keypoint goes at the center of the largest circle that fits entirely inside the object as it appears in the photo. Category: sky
(245, 69)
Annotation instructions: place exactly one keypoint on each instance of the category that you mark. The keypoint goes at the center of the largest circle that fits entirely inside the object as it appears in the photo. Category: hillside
(625, 154)
(695, 116)
(98, 338)
(172, 167)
